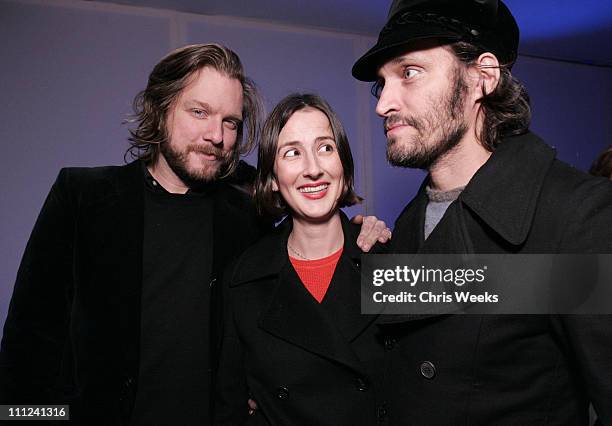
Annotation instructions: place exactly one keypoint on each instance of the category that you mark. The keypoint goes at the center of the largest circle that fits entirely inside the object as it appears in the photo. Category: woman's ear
(274, 185)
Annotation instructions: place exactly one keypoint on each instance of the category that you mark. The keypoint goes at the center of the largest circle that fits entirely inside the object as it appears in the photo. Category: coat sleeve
(231, 392)
(37, 323)
(590, 336)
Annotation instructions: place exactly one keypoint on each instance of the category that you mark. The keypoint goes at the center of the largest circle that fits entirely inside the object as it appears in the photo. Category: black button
(362, 385)
(389, 343)
(212, 282)
(127, 384)
(428, 370)
(126, 389)
(382, 411)
(282, 392)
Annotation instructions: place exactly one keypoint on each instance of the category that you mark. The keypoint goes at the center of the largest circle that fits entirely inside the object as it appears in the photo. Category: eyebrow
(409, 57)
(296, 143)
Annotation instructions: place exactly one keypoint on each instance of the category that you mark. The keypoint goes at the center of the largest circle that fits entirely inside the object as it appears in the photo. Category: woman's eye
(326, 148)
(291, 153)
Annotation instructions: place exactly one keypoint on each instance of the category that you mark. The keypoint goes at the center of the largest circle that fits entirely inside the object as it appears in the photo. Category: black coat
(73, 328)
(512, 369)
(304, 363)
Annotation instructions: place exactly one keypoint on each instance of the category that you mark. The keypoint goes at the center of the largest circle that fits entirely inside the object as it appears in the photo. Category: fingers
(358, 219)
(252, 406)
(372, 230)
(367, 223)
(385, 235)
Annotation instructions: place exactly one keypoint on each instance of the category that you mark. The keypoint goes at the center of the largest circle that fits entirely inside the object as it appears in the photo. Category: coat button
(389, 343)
(282, 392)
(362, 385)
(382, 411)
(127, 384)
(212, 282)
(126, 389)
(428, 370)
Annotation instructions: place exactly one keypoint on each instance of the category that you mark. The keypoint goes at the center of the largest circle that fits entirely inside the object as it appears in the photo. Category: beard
(195, 177)
(439, 129)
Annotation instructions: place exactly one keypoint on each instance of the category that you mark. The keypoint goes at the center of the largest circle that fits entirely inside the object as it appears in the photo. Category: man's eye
(198, 113)
(377, 88)
(231, 124)
(410, 72)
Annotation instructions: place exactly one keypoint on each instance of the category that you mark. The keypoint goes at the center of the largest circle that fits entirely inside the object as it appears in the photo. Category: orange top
(317, 274)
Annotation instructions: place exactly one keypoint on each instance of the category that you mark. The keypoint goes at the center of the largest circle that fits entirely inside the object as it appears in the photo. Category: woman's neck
(310, 240)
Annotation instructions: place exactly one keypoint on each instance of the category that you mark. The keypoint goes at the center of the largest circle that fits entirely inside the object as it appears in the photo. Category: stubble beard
(438, 133)
(194, 177)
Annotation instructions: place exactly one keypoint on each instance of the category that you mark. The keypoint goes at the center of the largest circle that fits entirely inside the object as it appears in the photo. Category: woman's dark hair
(269, 202)
(602, 166)
(506, 110)
(168, 79)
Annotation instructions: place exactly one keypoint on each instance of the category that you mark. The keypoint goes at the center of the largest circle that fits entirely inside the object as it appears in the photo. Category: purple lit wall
(70, 70)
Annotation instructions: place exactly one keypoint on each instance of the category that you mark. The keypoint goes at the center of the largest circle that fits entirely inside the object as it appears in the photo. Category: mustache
(396, 119)
(207, 150)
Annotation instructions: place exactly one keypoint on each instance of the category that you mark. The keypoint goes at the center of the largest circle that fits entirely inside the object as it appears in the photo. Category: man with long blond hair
(112, 308)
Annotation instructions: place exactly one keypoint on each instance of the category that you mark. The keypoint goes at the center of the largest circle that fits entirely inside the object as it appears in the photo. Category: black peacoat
(511, 369)
(304, 363)
(73, 328)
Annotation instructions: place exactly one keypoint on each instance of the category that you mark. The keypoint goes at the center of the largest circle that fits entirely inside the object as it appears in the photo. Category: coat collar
(293, 314)
(269, 256)
(503, 192)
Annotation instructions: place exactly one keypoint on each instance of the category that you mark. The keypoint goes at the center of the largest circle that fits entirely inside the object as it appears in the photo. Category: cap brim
(366, 67)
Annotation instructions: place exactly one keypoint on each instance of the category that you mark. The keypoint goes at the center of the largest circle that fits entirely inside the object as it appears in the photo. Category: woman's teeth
(313, 188)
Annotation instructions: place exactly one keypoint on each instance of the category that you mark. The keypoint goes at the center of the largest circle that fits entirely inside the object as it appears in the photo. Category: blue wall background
(71, 68)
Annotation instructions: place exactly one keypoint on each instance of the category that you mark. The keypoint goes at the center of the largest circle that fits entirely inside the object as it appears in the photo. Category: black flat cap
(485, 23)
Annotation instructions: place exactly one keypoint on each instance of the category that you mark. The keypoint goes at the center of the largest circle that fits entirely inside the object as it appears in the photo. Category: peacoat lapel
(502, 194)
(125, 216)
(343, 299)
(293, 315)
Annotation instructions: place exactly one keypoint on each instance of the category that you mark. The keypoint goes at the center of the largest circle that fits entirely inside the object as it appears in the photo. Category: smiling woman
(294, 338)
(267, 199)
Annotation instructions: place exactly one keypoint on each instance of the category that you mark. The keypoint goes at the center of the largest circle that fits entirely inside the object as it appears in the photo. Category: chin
(205, 172)
(318, 215)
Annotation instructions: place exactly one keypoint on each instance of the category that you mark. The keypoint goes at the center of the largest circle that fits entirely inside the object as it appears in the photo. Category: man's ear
(487, 67)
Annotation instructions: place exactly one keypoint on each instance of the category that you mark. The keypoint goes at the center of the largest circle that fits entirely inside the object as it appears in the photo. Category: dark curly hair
(506, 110)
(602, 166)
(169, 77)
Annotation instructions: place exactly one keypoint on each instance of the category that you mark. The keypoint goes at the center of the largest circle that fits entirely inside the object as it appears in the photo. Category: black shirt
(174, 378)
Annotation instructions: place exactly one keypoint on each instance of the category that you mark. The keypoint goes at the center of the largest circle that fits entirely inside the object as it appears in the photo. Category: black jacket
(73, 328)
(304, 363)
(512, 369)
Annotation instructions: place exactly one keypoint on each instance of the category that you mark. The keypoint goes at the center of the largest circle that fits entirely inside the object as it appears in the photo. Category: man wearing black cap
(451, 106)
